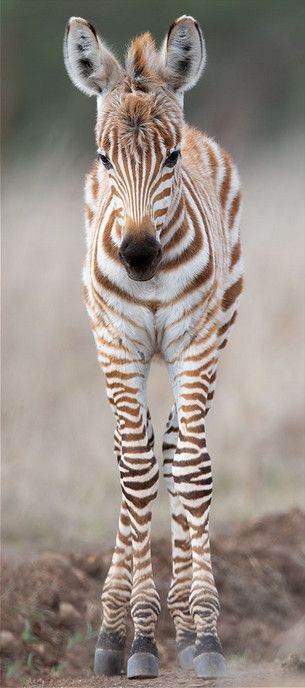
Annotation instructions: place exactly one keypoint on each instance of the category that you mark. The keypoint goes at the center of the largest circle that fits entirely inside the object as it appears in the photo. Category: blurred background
(60, 483)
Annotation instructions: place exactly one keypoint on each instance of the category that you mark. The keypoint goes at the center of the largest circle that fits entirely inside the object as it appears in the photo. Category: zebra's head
(139, 127)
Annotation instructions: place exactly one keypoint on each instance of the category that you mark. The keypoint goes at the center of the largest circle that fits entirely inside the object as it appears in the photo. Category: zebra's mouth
(141, 277)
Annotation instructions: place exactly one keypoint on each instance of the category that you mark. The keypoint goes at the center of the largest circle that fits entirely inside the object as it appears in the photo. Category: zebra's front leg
(126, 386)
(192, 474)
(180, 588)
(110, 646)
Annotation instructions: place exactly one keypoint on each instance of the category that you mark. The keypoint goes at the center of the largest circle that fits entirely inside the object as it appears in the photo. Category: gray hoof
(186, 657)
(108, 662)
(142, 665)
(209, 665)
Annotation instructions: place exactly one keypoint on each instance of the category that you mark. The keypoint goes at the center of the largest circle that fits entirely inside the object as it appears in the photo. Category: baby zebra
(162, 274)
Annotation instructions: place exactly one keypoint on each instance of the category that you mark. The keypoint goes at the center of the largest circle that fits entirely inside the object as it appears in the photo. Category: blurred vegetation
(254, 74)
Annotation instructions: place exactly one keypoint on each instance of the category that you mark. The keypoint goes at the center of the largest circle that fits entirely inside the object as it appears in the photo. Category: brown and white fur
(162, 274)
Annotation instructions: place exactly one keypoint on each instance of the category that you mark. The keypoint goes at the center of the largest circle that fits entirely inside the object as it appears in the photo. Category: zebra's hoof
(143, 665)
(209, 665)
(108, 662)
(186, 657)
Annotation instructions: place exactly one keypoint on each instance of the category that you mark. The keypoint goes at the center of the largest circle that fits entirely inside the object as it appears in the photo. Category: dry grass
(59, 474)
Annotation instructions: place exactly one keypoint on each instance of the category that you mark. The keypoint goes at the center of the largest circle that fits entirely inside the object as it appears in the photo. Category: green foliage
(59, 668)
(90, 633)
(16, 668)
(74, 639)
(29, 661)
(36, 614)
(27, 633)
(12, 668)
(79, 636)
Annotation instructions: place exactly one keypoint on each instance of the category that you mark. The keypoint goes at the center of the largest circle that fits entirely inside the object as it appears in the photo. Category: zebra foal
(162, 273)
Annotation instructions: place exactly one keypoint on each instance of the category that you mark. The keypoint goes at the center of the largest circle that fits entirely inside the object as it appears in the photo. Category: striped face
(138, 138)
(139, 127)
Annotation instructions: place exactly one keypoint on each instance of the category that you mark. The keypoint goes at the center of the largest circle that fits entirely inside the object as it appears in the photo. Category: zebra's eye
(106, 162)
(172, 159)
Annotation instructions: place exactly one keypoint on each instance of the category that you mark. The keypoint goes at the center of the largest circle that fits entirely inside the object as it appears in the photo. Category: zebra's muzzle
(140, 256)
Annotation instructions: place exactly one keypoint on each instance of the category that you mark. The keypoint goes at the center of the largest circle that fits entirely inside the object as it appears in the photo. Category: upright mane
(142, 63)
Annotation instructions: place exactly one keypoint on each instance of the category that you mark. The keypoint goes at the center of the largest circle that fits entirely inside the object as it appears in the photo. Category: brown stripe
(94, 182)
(224, 329)
(225, 187)
(231, 294)
(89, 213)
(235, 255)
(212, 161)
(234, 209)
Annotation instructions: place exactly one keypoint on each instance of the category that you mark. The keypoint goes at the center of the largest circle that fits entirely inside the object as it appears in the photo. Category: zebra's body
(171, 194)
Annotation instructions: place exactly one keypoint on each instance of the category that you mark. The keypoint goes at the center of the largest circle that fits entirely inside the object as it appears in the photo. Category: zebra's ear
(183, 54)
(90, 65)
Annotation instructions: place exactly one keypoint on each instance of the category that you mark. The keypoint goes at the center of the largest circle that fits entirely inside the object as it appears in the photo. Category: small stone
(7, 641)
(79, 574)
(39, 648)
(92, 565)
(68, 613)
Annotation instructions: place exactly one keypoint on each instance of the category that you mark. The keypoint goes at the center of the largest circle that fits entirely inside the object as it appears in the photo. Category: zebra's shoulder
(212, 161)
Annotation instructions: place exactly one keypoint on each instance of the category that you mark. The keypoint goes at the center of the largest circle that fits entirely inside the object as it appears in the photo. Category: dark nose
(141, 256)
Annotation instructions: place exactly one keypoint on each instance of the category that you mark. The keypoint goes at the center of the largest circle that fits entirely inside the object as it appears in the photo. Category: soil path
(51, 611)
(266, 676)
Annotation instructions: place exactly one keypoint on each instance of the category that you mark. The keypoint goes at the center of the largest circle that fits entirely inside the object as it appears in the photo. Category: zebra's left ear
(183, 54)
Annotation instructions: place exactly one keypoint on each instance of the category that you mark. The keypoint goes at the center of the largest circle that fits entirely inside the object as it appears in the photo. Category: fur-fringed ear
(90, 65)
(183, 54)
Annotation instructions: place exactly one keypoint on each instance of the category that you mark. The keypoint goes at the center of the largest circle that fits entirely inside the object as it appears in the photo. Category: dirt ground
(51, 611)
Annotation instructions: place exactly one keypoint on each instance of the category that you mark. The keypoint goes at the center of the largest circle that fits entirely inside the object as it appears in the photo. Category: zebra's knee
(139, 481)
(192, 476)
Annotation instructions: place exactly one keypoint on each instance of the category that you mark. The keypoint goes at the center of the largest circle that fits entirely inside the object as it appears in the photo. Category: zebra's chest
(153, 324)
(156, 316)
(152, 329)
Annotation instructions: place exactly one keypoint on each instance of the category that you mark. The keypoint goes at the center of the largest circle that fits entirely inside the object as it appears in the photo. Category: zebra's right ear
(90, 65)
(183, 54)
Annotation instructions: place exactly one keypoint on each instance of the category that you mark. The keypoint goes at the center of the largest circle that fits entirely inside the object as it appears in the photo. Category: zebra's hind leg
(179, 593)
(110, 647)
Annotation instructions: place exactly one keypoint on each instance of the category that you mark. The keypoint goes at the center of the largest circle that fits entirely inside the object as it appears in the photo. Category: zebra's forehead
(136, 119)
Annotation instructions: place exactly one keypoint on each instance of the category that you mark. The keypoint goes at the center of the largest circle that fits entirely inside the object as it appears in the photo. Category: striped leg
(126, 388)
(192, 474)
(109, 653)
(179, 593)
